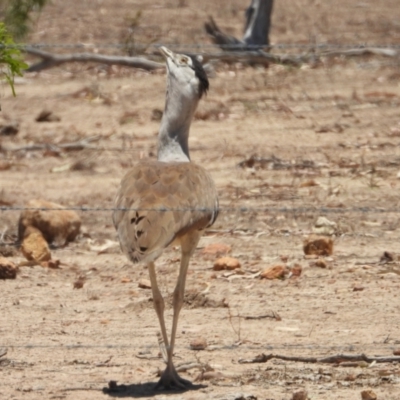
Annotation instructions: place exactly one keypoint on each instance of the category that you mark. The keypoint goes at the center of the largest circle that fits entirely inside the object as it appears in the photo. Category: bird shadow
(142, 389)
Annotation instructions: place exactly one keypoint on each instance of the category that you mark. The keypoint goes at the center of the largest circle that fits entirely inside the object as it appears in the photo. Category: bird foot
(170, 380)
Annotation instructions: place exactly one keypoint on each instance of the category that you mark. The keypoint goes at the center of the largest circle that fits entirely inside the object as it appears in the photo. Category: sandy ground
(327, 137)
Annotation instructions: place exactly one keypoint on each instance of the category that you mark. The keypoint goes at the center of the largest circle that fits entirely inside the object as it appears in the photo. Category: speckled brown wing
(158, 202)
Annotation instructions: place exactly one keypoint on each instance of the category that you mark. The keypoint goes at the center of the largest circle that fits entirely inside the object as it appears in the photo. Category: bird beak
(166, 53)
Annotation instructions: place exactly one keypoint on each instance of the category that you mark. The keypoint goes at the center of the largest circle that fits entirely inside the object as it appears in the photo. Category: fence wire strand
(345, 347)
(197, 46)
(242, 209)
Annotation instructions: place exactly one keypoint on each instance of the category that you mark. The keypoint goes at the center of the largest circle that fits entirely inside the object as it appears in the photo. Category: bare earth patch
(285, 147)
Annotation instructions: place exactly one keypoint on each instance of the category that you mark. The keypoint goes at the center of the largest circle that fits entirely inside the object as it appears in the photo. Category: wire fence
(347, 347)
(322, 102)
(382, 234)
(207, 46)
(241, 209)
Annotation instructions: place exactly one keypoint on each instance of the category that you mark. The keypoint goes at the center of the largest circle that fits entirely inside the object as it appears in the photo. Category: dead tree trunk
(258, 22)
(256, 31)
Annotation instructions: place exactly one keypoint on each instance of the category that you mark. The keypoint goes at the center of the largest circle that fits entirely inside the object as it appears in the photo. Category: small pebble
(228, 263)
(144, 284)
(198, 344)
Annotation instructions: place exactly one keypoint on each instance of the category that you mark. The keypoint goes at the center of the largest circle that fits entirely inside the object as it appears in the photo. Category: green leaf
(11, 62)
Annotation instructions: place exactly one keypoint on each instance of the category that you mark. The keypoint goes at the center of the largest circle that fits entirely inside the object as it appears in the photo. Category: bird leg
(159, 304)
(170, 378)
(162, 347)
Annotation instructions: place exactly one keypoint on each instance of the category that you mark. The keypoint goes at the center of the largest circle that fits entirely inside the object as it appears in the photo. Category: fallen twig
(145, 357)
(273, 315)
(80, 144)
(209, 375)
(336, 359)
(3, 351)
(52, 60)
(186, 366)
(4, 361)
(104, 363)
(28, 263)
(251, 276)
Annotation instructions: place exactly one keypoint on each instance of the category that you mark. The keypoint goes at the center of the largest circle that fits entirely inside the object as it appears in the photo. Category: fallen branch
(375, 51)
(263, 57)
(254, 57)
(52, 60)
(336, 359)
(259, 57)
(71, 146)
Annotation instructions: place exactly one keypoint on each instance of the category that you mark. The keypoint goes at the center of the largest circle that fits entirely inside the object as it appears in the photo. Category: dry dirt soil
(289, 144)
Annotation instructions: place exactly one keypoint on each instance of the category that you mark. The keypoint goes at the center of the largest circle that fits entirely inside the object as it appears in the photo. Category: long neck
(180, 106)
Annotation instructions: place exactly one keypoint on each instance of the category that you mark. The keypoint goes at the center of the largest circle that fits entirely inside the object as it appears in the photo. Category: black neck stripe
(201, 75)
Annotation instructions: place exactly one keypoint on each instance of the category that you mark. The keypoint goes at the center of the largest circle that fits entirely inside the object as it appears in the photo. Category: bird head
(187, 71)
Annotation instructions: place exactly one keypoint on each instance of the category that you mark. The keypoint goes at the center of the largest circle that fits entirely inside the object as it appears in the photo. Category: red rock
(8, 270)
(34, 246)
(368, 395)
(208, 375)
(350, 378)
(56, 225)
(318, 245)
(388, 257)
(228, 263)
(300, 395)
(53, 264)
(216, 250)
(80, 282)
(308, 183)
(296, 270)
(198, 344)
(275, 272)
(320, 263)
(145, 284)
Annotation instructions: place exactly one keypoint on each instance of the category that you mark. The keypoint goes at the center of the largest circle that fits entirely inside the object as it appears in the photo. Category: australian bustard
(171, 199)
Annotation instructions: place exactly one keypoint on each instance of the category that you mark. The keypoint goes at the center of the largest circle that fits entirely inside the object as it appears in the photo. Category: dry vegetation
(324, 135)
